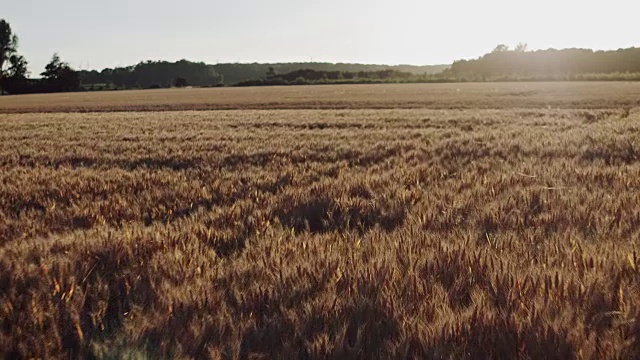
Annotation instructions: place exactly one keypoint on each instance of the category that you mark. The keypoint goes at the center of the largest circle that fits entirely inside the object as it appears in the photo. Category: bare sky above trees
(92, 34)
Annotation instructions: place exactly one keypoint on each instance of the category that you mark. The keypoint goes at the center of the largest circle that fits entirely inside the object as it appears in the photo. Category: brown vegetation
(504, 233)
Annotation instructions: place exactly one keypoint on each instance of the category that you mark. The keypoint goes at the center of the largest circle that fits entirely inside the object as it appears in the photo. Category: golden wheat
(495, 233)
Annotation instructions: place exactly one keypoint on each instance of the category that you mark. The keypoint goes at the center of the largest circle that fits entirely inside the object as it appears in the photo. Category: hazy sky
(96, 34)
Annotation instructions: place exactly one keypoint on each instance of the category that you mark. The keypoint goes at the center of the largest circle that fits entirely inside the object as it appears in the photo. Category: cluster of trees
(58, 76)
(156, 74)
(310, 76)
(567, 63)
(153, 74)
(502, 64)
(238, 73)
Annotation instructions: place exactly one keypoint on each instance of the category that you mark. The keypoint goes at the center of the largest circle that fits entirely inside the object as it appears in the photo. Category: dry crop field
(384, 221)
(566, 95)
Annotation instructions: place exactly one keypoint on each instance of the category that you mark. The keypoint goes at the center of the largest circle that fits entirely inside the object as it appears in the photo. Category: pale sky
(91, 34)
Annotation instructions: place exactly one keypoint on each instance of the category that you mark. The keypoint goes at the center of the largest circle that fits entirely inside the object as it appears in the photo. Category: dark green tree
(8, 47)
(15, 80)
(54, 68)
(18, 67)
(60, 75)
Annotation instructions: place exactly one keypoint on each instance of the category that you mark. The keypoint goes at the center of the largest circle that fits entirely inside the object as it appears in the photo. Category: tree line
(153, 74)
(237, 73)
(158, 74)
(576, 64)
(312, 77)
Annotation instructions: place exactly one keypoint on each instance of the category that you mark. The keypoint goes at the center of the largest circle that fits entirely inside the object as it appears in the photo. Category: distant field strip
(564, 95)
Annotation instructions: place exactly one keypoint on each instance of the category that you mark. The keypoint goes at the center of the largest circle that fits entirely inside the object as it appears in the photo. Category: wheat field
(426, 221)
(548, 95)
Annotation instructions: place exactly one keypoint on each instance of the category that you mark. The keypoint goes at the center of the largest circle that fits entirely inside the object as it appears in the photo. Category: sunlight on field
(502, 221)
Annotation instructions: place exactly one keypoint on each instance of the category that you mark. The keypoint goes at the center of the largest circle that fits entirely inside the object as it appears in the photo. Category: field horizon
(498, 95)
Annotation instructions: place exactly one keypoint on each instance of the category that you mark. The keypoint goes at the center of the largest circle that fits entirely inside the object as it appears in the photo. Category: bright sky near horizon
(92, 34)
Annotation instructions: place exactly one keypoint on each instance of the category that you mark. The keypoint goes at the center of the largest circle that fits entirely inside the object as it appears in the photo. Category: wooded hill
(504, 62)
(164, 74)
